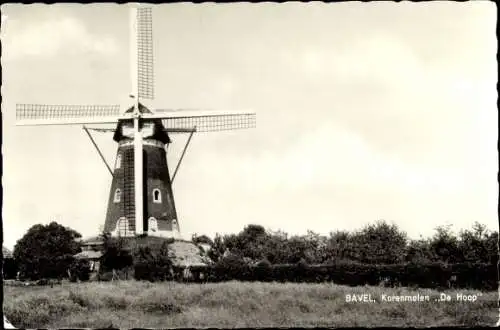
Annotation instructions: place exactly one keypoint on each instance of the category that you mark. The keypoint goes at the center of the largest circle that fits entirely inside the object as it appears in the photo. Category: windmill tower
(141, 199)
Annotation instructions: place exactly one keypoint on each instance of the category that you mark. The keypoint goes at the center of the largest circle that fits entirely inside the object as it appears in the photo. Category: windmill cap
(142, 109)
(159, 129)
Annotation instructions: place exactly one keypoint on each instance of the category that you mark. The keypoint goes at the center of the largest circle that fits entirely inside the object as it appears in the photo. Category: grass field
(130, 304)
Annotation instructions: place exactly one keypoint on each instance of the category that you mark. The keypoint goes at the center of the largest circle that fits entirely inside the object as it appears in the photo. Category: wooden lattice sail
(140, 200)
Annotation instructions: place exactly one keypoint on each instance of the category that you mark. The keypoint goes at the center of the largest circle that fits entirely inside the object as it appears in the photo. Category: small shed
(93, 257)
(94, 243)
(91, 251)
(7, 254)
(10, 266)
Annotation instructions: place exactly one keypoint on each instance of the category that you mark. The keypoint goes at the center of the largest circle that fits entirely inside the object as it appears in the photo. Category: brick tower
(160, 216)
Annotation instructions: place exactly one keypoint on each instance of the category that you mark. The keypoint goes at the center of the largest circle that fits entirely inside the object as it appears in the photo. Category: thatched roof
(6, 253)
(92, 240)
(182, 252)
(185, 253)
(89, 255)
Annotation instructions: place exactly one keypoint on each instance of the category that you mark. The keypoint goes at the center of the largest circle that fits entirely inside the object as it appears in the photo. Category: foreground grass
(130, 304)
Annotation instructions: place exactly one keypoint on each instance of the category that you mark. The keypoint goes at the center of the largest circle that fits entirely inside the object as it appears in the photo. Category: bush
(115, 255)
(10, 268)
(79, 270)
(433, 275)
(105, 276)
(152, 263)
(36, 310)
(46, 251)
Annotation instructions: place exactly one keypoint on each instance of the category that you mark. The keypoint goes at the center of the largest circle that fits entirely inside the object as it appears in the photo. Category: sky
(365, 111)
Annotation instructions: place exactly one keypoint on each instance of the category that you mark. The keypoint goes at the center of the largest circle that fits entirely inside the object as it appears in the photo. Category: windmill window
(156, 196)
(118, 161)
(122, 226)
(152, 224)
(118, 195)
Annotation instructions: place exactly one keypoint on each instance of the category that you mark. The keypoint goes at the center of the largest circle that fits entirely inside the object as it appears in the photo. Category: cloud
(52, 37)
(331, 155)
(377, 58)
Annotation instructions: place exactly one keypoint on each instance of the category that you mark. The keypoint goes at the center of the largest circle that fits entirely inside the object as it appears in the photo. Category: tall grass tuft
(31, 311)
(130, 304)
(153, 301)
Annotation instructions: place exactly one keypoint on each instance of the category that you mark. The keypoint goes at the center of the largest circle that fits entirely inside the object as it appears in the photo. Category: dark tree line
(378, 253)
(378, 243)
(46, 251)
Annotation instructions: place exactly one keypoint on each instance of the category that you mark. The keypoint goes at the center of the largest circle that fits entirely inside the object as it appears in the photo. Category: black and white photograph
(230, 165)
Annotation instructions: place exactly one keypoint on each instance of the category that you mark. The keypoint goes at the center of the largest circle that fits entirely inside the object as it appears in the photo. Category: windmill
(141, 199)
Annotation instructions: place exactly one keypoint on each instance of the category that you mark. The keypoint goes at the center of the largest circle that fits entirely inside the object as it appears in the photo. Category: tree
(478, 244)
(418, 251)
(253, 231)
(218, 248)
(10, 268)
(79, 270)
(491, 243)
(153, 263)
(296, 248)
(250, 242)
(444, 246)
(46, 251)
(471, 244)
(340, 246)
(317, 251)
(382, 243)
(202, 239)
(116, 255)
(275, 249)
